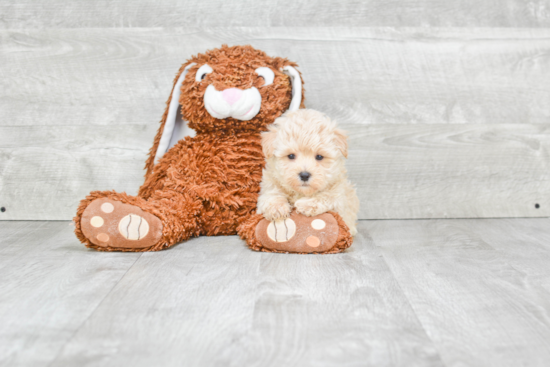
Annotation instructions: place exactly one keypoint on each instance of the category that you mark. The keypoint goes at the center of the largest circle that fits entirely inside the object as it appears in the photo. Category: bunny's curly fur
(204, 185)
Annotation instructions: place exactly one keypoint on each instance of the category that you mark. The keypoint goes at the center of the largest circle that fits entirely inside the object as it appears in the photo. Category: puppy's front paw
(308, 207)
(277, 210)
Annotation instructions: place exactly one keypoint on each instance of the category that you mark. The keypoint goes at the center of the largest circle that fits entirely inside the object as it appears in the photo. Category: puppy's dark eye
(291, 156)
(319, 157)
(203, 76)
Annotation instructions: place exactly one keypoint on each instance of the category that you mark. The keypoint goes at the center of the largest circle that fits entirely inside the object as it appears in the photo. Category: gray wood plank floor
(470, 292)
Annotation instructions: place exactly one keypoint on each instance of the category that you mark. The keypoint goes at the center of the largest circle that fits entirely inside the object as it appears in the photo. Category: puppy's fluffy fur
(297, 145)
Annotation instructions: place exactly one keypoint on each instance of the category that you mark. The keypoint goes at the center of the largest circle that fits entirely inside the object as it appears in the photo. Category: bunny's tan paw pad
(299, 234)
(110, 223)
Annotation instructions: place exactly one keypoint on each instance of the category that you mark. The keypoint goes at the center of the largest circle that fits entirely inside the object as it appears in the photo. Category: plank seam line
(457, 218)
(506, 260)
(434, 344)
(93, 312)
(359, 220)
(26, 234)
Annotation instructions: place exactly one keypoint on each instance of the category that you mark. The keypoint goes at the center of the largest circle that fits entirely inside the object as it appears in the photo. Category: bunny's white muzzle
(233, 102)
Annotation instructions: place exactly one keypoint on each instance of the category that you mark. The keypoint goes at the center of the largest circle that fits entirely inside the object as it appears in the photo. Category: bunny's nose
(232, 95)
(304, 176)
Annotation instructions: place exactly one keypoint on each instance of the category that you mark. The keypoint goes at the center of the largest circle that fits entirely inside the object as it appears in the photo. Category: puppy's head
(305, 151)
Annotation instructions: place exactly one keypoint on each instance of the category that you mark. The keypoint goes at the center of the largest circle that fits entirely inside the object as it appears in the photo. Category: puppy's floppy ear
(268, 141)
(341, 141)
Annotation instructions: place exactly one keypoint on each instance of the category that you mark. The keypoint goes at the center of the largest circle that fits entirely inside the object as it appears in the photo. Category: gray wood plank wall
(444, 122)
(281, 13)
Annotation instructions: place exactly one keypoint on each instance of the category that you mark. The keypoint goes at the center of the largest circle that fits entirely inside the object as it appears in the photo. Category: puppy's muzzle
(304, 176)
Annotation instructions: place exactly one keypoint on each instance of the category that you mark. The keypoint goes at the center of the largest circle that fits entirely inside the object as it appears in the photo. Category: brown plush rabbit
(206, 181)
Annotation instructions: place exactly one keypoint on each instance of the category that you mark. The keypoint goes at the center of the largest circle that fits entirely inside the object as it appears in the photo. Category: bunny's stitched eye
(202, 72)
(267, 74)
(291, 156)
(319, 157)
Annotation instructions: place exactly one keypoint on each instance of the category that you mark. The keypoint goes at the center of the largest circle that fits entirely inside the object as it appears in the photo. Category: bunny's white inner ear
(175, 127)
(296, 87)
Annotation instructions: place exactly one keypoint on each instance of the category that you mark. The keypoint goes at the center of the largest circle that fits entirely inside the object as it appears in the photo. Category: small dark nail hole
(2, 209)
(537, 206)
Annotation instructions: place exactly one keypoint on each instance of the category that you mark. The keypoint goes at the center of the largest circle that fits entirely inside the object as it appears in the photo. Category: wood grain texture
(186, 305)
(49, 286)
(343, 310)
(318, 13)
(450, 171)
(401, 171)
(213, 302)
(407, 293)
(356, 75)
(525, 243)
(46, 170)
(444, 122)
(477, 308)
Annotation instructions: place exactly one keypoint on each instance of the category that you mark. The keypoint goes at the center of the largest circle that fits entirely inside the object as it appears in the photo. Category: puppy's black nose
(304, 176)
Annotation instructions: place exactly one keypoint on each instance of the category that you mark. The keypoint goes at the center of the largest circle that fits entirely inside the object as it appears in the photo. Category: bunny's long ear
(296, 81)
(173, 127)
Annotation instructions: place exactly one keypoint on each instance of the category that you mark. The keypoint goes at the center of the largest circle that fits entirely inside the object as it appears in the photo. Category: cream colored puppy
(305, 154)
